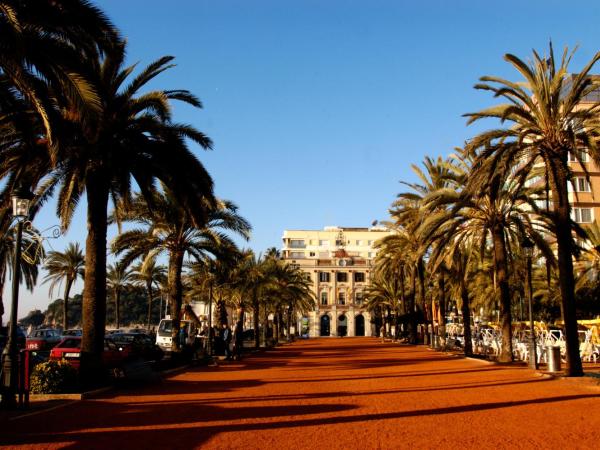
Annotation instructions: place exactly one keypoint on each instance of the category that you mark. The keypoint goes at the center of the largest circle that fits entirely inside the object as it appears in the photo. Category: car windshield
(124, 338)
(70, 343)
(166, 326)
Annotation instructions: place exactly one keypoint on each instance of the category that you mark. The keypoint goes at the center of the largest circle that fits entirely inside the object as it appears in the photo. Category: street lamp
(21, 201)
(528, 246)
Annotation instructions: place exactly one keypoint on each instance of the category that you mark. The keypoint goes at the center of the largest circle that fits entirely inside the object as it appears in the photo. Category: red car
(41, 340)
(70, 349)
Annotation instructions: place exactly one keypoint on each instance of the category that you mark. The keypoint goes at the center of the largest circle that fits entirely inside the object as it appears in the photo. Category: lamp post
(21, 200)
(527, 246)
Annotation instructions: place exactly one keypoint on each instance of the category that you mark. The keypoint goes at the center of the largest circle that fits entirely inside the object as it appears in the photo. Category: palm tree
(387, 293)
(118, 277)
(167, 226)
(68, 266)
(147, 273)
(133, 139)
(253, 278)
(548, 120)
(495, 211)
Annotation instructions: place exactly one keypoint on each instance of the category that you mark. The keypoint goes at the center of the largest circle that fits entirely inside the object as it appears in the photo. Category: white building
(338, 261)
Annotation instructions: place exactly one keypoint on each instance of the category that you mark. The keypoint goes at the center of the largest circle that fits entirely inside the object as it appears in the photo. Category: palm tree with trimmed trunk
(148, 274)
(65, 266)
(118, 278)
(166, 226)
(548, 118)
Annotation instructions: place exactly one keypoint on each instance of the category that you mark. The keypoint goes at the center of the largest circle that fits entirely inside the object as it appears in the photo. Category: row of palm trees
(460, 229)
(78, 123)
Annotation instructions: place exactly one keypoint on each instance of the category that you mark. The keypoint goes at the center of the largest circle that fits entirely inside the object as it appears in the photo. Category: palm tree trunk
(118, 308)
(2, 279)
(94, 291)
(564, 239)
(506, 353)
(175, 295)
(466, 313)
(442, 301)
(422, 299)
(66, 304)
(256, 318)
(412, 307)
(149, 290)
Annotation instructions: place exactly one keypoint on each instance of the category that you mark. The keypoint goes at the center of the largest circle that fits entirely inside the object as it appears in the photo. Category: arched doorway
(342, 325)
(325, 325)
(359, 325)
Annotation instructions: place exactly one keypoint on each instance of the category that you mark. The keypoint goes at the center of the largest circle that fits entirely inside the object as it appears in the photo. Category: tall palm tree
(253, 279)
(148, 274)
(548, 119)
(495, 211)
(133, 139)
(68, 266)
(167, 226)
(118, 278)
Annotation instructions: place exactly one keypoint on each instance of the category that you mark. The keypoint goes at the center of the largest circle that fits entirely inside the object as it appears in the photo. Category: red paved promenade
(330, 393)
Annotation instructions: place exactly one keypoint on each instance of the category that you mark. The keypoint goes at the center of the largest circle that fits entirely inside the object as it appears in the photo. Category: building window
(583, 156)
(581, 184)
(341, 277)
(307, 276)
(359, 298)
(323, 298)
(371, 254)
(323, 243)
(297, 243)
(341, 298)
(359, 277)
(582, 215)
(312, 253)
(297, 255)
(359, 242)
(324, 277)
(370, 243)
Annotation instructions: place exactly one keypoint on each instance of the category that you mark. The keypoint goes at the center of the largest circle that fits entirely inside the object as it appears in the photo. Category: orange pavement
(330, 393)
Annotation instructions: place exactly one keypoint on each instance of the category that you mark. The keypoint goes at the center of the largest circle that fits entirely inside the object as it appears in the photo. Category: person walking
(226, 338)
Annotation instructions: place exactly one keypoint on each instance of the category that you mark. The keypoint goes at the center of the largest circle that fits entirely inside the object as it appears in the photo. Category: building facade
(338, 261)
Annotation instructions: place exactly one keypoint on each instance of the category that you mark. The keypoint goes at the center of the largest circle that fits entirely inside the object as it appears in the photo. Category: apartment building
(338, 261)
(584, 190)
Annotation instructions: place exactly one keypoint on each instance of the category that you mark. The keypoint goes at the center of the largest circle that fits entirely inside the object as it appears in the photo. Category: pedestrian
(382, 333)
(226, 338)
(182, 335)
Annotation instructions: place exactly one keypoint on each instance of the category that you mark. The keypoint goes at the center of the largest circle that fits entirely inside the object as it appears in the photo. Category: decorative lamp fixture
(21, 201)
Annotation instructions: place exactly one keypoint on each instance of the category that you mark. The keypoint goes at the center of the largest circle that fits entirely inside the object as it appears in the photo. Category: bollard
(553, 358)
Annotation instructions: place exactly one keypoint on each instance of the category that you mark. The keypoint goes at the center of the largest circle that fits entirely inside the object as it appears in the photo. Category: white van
(164, 338)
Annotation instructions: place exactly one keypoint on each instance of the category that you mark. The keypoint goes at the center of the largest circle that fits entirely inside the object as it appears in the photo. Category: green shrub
(53, 377)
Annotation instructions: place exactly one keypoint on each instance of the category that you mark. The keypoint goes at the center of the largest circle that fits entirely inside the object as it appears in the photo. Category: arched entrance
(325, 325)
(342, 325)
(359, 325)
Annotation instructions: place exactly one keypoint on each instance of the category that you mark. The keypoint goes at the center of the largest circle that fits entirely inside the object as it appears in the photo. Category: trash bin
(553, 358)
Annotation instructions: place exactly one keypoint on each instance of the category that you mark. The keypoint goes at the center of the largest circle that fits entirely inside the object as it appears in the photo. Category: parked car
(43, 340)
(69, 349)
(139, 344)
(70, 333)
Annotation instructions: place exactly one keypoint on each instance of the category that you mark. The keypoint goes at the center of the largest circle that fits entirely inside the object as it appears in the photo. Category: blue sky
(317, 109)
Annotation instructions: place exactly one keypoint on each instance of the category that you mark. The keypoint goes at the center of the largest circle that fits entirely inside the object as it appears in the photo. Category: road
(325, 394)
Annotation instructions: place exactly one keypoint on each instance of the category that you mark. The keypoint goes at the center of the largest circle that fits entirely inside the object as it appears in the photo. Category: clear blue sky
(318, 108)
